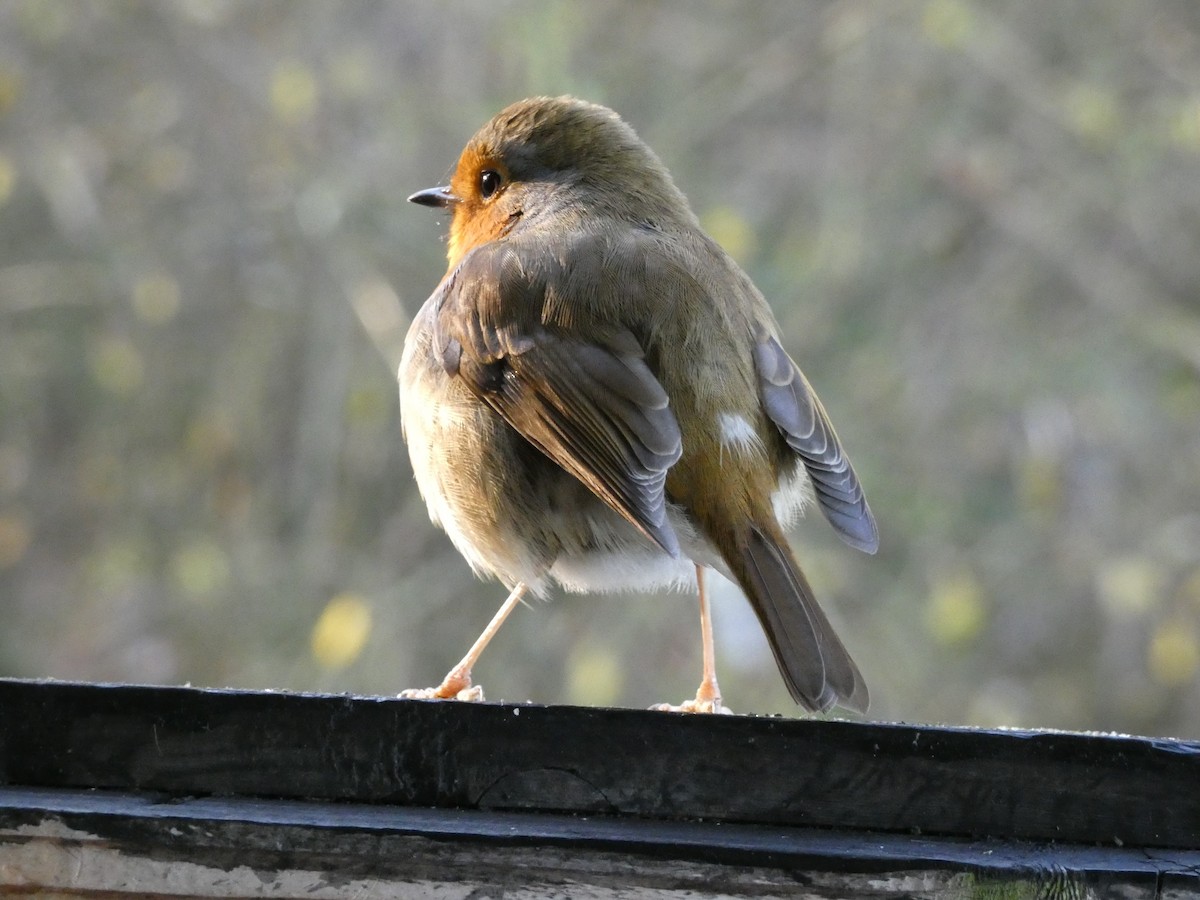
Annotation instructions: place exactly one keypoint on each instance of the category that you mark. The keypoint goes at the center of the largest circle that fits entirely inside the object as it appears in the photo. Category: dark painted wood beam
(406, 789)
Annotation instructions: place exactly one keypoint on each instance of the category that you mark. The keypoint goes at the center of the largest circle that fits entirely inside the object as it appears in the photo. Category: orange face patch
(478, 219)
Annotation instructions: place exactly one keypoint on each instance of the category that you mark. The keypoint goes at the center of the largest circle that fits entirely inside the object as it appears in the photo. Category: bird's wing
(592, 406)
(795, 409)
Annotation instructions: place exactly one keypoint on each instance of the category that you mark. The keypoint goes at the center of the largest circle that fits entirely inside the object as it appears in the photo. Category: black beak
(438, 197)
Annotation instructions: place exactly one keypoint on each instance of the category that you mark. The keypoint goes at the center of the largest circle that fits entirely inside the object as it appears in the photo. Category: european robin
(596, 395)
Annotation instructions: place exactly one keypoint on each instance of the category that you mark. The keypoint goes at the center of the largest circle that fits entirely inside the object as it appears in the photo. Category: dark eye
(489, 182)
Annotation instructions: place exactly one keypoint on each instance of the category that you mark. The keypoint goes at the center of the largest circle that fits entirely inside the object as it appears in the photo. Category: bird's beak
(438, 197)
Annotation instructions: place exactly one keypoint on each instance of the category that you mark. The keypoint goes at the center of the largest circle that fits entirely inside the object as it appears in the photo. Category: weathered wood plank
(899, 779)
(79, 843)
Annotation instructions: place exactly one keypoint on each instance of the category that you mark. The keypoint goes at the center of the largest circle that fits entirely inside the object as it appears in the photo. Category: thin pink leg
(708, 697)
(457, 683)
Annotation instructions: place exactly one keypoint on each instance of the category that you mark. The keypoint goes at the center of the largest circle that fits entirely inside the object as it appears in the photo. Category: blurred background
(978, 222)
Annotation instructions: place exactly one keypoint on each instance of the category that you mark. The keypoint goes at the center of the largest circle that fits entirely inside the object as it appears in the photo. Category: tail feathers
(815, 665)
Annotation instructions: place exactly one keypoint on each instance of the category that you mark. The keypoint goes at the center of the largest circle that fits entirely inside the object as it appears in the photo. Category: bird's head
(553, 157)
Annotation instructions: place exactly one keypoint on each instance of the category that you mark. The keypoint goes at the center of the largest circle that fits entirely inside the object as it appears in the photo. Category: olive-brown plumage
(596, 395)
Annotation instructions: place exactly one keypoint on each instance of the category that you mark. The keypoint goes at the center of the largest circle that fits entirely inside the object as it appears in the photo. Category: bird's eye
(489, 182)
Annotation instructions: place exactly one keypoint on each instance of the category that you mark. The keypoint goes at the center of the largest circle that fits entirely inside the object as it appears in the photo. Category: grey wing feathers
(795, 409)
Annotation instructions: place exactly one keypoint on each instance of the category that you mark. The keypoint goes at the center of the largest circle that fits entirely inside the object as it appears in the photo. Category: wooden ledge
(402, 792)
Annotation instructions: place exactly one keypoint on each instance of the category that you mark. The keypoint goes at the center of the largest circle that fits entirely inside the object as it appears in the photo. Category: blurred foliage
(978, 222)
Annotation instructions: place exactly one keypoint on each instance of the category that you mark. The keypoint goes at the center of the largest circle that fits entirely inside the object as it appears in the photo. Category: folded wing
(795, 409)
(593, 407)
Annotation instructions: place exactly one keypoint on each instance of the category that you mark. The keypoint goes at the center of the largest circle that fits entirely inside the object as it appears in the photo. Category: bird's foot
(455, 686)
(695, 706)
(708, 700)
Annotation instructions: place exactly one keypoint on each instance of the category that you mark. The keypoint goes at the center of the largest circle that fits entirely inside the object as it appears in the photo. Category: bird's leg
(708, 695)
(457, 683)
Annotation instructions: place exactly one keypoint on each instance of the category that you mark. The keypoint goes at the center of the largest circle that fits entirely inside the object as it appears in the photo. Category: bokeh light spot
(8, 178)
(1129, 586)
(730, 229)
(947, 22)
(1174, 653)
(341, 631)
(15, 537)
(1184, 126)
(117, 366)
(955, 612)
(200, 568)
(156, 298)
(1092, 113)
(293, 93)
(594, 677)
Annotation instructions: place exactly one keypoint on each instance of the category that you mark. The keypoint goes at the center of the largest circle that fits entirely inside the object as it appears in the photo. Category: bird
(596, 396)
